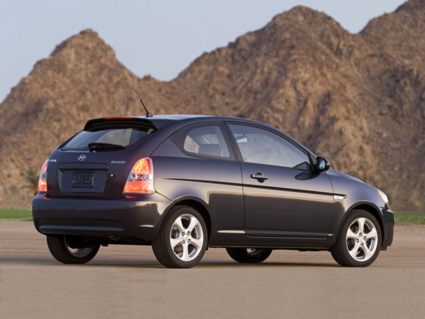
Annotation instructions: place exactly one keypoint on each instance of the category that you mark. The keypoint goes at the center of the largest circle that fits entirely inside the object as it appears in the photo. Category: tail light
(140, 179)
(42, 180)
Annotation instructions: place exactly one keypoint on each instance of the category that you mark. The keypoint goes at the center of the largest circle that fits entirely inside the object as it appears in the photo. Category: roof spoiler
(116, 122)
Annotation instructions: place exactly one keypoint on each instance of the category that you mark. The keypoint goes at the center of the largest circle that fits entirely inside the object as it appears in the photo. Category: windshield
(116, 138)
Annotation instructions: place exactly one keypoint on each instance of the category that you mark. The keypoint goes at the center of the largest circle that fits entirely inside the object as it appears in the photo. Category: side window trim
(233, 142)
(278, 133)
(227, 139)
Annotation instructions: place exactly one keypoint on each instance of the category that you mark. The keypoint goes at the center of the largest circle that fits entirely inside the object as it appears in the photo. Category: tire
(249, 255)
(70, 250)
(359, 241)
(182, 240)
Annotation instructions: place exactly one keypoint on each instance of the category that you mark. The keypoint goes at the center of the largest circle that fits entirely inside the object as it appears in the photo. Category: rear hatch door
(96, 161)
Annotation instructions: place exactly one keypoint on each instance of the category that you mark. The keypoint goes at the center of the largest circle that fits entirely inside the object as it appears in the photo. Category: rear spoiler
(117, 122)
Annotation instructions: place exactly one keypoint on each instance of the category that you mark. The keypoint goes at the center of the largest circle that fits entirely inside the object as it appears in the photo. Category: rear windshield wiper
(104, 147)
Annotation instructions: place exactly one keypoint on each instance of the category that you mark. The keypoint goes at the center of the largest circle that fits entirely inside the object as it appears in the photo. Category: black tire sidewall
(59, 250)
(241, 255)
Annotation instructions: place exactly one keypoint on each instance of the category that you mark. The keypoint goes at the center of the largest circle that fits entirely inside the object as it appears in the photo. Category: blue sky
(154, 37)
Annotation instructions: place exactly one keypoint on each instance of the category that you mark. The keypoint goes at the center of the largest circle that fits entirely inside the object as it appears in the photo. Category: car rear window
(203, 141)
(123, 137)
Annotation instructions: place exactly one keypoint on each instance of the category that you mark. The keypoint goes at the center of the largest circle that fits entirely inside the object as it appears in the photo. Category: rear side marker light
(140, 179)
(42, 180)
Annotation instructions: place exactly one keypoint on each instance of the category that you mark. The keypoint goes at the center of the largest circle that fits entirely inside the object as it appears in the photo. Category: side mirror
(322, 164)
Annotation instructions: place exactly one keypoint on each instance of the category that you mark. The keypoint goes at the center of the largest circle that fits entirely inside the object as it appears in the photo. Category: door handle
(259, 177)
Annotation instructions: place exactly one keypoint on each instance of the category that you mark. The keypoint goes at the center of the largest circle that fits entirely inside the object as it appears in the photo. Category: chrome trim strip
(339, 197)
(147, 226)
(231, 231)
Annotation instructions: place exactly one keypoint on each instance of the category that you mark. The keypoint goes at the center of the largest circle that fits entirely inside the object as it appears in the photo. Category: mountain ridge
(357, 98)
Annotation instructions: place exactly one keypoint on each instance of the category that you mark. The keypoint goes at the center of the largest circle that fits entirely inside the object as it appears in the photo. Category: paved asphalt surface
(127, 282)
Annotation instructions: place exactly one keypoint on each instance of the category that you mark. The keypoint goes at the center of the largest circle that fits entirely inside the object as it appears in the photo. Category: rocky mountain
(358, 99)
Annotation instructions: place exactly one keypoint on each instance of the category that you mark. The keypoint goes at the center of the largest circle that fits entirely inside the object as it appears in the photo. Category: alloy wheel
(186, 237)
(361, 239)
(78, 252)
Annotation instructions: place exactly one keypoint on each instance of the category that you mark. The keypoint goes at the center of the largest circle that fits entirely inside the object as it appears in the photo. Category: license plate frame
(82, 179)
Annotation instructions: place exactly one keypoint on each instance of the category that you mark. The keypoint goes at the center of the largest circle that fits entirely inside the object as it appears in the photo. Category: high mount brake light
(42, 180)
(140, 179)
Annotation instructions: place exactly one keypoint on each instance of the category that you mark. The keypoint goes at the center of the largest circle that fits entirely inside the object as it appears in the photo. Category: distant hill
(358, 99)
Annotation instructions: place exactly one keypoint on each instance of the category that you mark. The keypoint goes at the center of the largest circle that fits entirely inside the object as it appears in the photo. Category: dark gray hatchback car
(183, 183)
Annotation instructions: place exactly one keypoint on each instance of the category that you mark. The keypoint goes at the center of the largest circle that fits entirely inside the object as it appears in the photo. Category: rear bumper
(111, 219)
(388, 221)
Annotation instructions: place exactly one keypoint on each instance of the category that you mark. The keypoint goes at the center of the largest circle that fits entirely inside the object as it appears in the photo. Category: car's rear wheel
(182, 240)
(359, 241)
(70, 250)
(249, 255)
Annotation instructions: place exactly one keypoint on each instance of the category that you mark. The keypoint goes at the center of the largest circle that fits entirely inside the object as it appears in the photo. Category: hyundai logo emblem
(82, 158)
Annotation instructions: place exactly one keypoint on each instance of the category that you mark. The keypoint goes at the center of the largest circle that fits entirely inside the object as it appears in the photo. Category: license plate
(82, 180)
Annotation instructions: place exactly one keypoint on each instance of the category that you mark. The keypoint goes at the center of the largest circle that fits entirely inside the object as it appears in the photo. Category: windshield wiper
(104, 147)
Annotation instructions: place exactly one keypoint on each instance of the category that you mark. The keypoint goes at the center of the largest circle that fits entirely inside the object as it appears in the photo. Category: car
(186, 183)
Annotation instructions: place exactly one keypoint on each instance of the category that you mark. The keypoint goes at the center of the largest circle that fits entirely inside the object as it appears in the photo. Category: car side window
(265, 147)
(207, 141)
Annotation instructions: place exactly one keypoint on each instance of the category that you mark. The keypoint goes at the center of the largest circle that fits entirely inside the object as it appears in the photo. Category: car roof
(160, 121)
(176, 120)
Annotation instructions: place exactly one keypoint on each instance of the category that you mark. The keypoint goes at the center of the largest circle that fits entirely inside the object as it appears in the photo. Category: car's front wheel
(182, 240)
(69, 250)
(359, 241)
(249, 255)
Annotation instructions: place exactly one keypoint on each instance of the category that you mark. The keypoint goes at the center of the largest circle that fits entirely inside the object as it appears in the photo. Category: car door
(283, 196)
